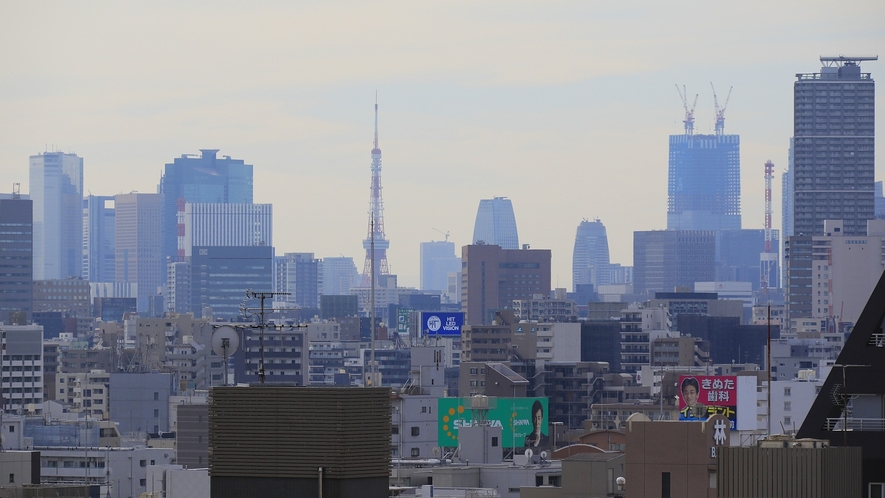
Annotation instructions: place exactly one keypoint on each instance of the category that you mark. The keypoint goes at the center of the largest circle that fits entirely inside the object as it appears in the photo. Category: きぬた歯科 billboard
(701, 396)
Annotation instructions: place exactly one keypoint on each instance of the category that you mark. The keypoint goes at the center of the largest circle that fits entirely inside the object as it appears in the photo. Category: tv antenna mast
(250, 312)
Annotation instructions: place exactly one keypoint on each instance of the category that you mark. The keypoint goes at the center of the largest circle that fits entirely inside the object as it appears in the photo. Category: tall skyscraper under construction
(375, 244)
(833, 147)
(496, 224)
(704, 186)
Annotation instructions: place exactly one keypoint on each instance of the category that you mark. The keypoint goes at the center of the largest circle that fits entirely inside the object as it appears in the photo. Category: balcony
(838, 424)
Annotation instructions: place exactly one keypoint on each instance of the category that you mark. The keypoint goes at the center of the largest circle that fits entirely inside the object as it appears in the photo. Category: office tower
(220, 277)
(299, 274)
(834, 141)
(57, 193)
(227, 225)
(438, 259)
(339, 275)
(200, 179)
(16, 256)
(138, 244)
(496, 224)
(492, 277)
(590, 259)
(375, 244)
(739, 259)
(98, 238)
(666, 259)
(704, 184)
(879, 202)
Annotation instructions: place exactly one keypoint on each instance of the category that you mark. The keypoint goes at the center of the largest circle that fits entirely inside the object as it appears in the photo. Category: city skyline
(565, 110)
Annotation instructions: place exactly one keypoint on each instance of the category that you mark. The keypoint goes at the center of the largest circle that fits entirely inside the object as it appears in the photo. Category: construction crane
(689, 113)
(720, 111)
(446, 233)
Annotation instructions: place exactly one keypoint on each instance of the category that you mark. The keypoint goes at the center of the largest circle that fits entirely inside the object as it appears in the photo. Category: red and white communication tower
(768, 257)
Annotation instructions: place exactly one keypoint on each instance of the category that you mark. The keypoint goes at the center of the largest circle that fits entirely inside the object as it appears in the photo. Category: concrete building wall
(675, 458)
(139, 401)
(19, 467)
(413, 426)
(789, 472)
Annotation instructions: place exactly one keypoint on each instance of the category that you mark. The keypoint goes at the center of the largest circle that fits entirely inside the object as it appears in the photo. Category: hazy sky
(564, 107)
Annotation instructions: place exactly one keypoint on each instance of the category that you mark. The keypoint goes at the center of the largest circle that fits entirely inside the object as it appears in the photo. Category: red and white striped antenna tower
(376, 243)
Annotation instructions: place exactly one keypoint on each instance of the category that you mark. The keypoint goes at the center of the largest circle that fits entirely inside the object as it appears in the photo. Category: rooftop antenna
(689, 113)
(720, 111)
(248, 312)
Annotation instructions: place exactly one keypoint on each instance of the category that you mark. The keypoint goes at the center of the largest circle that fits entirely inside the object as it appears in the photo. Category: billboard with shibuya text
(701, 396)
(523, 421)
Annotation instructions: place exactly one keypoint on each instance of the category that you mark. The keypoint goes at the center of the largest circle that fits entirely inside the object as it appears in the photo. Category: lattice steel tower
(376, 219)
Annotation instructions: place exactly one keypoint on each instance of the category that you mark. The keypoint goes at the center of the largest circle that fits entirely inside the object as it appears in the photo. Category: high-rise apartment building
(831, 275)
(492, 277)
(590, 259)
(834, 142)
(787, 195)
(438, 259)
(666, 259)
(496, 224)
(200, 179)
(138, 245)
(57, 192)
(339, 275)
(98, 238)
(16, 256)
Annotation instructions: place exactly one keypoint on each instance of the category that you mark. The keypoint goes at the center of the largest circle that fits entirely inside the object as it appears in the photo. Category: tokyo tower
(376, 220)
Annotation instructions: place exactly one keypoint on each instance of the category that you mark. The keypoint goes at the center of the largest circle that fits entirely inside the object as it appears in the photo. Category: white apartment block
(845, 269)
(84, 392)
(21, 368)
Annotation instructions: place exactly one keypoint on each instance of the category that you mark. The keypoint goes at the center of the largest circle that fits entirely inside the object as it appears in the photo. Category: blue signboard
(437, 323)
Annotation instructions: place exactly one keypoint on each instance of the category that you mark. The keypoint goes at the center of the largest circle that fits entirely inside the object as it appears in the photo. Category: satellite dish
(543, 455)
(225, 342)
(529, 453)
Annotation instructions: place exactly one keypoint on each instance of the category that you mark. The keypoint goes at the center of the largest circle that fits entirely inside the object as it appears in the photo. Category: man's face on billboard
(690, 395)
(538, 419)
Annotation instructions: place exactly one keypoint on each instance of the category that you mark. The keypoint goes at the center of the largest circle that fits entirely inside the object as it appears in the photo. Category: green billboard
(523, 421)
